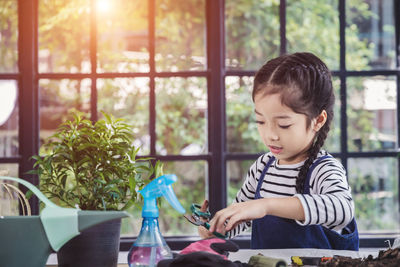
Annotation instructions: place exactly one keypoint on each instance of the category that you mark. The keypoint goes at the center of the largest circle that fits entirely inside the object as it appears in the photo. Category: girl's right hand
(203, 232)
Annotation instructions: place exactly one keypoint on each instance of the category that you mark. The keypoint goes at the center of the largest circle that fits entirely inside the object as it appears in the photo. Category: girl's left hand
(226, 219)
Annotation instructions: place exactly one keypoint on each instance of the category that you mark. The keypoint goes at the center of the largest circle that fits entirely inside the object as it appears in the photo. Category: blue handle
(161, 186)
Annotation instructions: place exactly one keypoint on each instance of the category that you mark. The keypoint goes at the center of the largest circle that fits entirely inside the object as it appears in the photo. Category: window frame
(28, 79)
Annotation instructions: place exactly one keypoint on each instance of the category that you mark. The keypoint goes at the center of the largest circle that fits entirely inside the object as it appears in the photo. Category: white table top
(244, 255)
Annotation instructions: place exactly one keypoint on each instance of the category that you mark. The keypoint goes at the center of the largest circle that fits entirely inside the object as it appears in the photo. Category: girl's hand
(203, 232)
(226, 219)
(286, 207)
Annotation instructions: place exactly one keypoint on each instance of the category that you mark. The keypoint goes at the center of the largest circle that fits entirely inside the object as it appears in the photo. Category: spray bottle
(150, 247)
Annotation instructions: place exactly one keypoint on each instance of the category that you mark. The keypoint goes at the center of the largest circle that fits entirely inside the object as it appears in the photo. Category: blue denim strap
(261, 180)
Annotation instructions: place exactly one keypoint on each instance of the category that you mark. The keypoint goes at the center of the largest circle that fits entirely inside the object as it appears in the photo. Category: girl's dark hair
(305, 85)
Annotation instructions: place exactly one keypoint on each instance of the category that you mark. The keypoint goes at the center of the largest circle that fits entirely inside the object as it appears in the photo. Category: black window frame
(217, 157)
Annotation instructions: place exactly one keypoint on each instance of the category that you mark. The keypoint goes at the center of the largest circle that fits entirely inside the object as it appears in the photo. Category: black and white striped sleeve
(330, 202)
(247, 191)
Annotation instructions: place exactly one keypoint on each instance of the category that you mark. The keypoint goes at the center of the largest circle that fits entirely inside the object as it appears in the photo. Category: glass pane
(190, 188)
(57, 99)
(64, 36)
(252, 33)
(236, 173)
(370, 34)
(181, 122)
(122, 36)
(9, 35)
(332, 142)
(128, 99)
(9, 205)
(374, 183)
(371, 113)
(9, 119)
(242, 133)
(9, 169)
(313, 25)
(180, 35)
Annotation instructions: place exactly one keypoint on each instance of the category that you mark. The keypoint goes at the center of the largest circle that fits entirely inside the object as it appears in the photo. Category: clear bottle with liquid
(150, 247)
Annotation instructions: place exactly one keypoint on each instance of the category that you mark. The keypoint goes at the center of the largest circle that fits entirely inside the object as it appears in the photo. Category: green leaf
(92, 165)
(28, 194)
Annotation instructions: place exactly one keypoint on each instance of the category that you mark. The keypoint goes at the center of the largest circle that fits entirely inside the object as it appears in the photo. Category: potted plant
(93, 166)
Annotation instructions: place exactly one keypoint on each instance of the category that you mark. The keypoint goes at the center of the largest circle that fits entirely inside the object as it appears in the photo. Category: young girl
(296, 195)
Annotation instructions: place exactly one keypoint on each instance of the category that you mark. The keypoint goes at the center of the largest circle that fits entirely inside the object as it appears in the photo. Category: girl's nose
(272, 135)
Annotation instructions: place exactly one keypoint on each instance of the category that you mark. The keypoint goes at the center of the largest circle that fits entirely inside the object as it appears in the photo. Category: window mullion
(396, 5)
(93, 60)
(28, 92)
(152, 84)
(343, 88)
(282, 19)
(216, 103)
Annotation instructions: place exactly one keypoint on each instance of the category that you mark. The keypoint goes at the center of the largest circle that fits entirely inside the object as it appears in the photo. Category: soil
(387, 258)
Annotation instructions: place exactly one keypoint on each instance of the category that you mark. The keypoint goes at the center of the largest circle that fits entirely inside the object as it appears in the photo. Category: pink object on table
(203, 245)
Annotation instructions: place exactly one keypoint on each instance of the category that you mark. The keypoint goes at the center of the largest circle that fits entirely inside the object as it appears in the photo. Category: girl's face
(282, 130)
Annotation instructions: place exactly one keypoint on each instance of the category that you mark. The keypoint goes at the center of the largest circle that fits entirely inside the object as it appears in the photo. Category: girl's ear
(320, 120)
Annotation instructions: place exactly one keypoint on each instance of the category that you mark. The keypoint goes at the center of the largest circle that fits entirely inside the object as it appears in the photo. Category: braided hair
(305, 85)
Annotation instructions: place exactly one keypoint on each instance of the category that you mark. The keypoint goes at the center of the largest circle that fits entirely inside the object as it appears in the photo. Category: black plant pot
(96, 246)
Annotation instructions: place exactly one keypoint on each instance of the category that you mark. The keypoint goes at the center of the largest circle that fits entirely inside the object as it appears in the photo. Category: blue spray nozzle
(161, 186)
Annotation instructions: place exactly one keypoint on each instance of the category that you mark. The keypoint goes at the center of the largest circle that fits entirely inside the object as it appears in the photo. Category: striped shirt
(329, 203)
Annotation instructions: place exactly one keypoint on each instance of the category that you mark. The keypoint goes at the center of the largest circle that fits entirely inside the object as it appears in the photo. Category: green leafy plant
(93, 165)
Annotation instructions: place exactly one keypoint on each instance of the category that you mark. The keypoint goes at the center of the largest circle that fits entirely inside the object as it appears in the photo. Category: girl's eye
(260, 122)
(285, 126)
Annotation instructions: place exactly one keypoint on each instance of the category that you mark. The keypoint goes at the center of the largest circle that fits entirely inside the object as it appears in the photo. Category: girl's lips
(275, 149)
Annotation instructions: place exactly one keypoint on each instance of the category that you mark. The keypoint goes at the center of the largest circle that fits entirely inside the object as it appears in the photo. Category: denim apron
(271, 232)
